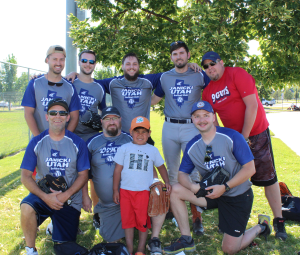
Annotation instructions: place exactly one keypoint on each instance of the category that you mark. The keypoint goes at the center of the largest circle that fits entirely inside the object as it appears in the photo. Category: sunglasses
(61, 113)
(113, 118)
(208, 150)
(84, 60)
(177, 42)
(50, 83)
(212, 63)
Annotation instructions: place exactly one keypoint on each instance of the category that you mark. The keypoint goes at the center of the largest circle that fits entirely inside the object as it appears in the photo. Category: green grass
(13, 132)
(12, 192)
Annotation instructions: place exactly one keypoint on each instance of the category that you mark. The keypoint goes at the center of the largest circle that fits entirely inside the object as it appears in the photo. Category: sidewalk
(286, 126)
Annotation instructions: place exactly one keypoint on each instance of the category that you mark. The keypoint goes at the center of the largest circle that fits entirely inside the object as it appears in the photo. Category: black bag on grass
(291, 208)
(70, 248)
(109, 249)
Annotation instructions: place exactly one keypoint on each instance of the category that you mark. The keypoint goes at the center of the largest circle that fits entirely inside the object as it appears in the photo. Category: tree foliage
(147, 27)
(9, 74)
(288, 94)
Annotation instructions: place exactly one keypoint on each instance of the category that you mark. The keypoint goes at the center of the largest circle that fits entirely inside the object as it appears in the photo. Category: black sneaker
(278, 224)
(96, 221)
(198, 227)
(154, 246)
(179, 245)
(265, 221)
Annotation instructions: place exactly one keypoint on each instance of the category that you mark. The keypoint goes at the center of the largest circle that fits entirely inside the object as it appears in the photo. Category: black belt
(187, 121)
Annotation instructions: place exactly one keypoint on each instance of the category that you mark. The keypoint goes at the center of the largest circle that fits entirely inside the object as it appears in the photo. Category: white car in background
(268, 102)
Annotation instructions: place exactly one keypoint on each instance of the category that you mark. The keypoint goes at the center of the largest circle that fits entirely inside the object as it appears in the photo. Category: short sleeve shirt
(229, 151)
(64, 158)
(226, 97)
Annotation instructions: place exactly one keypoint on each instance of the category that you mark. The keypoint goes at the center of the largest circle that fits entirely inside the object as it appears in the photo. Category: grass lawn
(12, 192)
(13, 132)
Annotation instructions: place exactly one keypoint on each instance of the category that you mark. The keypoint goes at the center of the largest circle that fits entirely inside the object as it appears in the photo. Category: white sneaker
(31, 251)
(49, 229)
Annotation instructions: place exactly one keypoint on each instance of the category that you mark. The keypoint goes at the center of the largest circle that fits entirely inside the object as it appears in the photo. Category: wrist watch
(227, 188)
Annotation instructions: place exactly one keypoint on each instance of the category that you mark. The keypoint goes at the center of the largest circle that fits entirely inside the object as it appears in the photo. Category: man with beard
(102, 149)
(92, 97)
(57, 152)
(47, 87)
(181, 87)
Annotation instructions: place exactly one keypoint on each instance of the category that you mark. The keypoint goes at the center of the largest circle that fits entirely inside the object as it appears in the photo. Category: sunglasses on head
(177, 42)
(212, 63)
(208, 150)
(84, 60)
(61, 113)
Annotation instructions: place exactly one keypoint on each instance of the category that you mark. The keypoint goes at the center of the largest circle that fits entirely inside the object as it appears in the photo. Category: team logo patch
(86, 101)
(131, 95)
(139, 120)
(215, 161)
(220, 95)
(57, 164)
(50, 96)
(108, 152)
(181, 92)
(200, 104)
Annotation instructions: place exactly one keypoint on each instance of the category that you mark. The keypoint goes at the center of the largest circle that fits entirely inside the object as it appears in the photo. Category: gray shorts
(110, 222)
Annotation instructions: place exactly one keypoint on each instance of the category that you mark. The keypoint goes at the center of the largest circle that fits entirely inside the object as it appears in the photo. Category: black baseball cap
(211, 55)
(111, 110)
(58, 101)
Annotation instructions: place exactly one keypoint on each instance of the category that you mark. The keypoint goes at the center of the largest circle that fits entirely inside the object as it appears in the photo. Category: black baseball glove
(55, 183)
(94, 121)
(217, 176)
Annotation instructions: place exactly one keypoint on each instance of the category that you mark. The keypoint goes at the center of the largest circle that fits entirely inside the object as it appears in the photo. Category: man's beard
(131, 78)
(55, 72)
(84, 72)
(182, 65)
(113, 132)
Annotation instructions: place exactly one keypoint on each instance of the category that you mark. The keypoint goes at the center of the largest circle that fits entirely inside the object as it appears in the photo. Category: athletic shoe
(179, 245)
(279, 228)
(265, 221)
(49, 229)
(96, 221)
(31, 251)
(198, 227)
(154, 246)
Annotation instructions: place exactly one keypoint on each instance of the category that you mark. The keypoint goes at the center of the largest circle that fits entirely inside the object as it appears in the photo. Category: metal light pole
(71, 60)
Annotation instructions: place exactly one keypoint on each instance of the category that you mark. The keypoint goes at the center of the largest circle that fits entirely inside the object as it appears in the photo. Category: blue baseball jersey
(38, 94)
(64, 158)
(229, 150)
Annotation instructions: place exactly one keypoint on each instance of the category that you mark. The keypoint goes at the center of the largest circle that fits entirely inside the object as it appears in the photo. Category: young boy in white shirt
(134, 169)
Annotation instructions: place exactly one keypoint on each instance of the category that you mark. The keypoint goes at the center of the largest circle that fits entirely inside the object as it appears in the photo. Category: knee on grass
(230, 249)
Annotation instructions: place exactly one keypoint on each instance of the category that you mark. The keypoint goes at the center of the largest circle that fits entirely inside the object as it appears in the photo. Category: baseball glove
(94, 121)
(217, 176)
(55, 183)
(159, 201)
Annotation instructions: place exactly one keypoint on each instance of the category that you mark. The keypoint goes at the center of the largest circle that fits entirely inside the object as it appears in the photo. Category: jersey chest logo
(181, 92)
(86, 101)
(50, 96)
(137, 162)
(220, 94)
(108, 152)
(57, 164)
(214, 161)
(131, 95)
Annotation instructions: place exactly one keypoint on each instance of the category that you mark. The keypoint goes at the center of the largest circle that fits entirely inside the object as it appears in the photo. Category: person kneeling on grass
(134, 169)
(217, 146)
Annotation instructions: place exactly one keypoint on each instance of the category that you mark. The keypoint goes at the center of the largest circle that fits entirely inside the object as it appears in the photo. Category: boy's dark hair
(87, 51)
(178, 44)
(130, 54)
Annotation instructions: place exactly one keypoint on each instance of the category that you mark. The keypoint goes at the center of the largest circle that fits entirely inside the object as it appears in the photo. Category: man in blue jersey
(57, 152)
(217, 146)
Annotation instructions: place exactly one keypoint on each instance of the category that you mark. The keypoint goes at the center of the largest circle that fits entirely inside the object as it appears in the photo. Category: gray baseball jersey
(181, 91)
(132, 98)
(64, 158)
(101, 152)
(92, 97)
(38, 94)
(229, 150)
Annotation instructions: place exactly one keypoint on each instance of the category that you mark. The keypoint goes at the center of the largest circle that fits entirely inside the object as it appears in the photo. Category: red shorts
(134, 209)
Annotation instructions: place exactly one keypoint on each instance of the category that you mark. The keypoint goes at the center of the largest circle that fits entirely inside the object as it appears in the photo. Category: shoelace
(280, 226)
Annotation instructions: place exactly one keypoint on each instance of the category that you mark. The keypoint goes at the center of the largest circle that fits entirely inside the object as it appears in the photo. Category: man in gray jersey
(47, 87)
(181, 87)
(217, 146)
(57, 152)
(92, 97)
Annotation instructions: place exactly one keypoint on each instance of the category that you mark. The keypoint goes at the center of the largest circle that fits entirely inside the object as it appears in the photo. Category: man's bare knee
(27, 210)
(230, 249)
(176, 188)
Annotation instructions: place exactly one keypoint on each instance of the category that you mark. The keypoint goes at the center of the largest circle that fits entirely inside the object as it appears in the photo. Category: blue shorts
(65, 221)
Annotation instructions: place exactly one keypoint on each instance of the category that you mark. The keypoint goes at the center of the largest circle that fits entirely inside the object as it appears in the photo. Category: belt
(187, 121)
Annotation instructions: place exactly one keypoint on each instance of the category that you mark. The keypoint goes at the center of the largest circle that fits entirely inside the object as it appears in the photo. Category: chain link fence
(14, 132)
